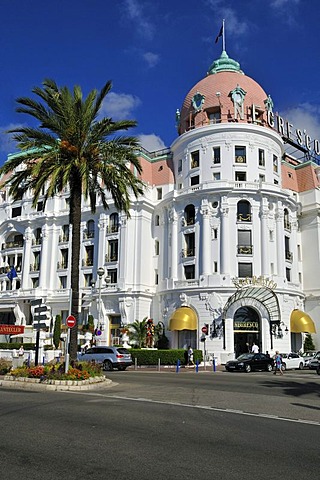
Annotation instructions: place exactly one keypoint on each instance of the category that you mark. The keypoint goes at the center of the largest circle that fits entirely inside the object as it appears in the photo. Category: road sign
(205, 329)
(71, 321)
(35, 302)
(39, 325)
(43, 308)
(37, 318)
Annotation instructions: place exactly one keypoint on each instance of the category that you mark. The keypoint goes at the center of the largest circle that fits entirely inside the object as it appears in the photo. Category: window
(65, 233)
(113, 226)
(244, 242)
(240, 154)
(113, 275)
(180, 165)
(189, 215)
(16, 212)
(37, 236)
(90, 229)
(88, 261)
(88, 279)
(215, 267)
(64, 258)
(36, 264)
(288, 254)
(216, 154)
(244, 270)
(262, 162)
(189, 272)
(286, 220)
(194, 180)
(40, 207)
(214, 116)
(195, 159)
(156, 247)
(216, 176)
(63, 281)
(112, 251)
(156, 277)
(275, 163)
(240, 176)
(159, 193)
(288, 274)
(244, 211)
(157, 220)
(189, 250)
(215, 233)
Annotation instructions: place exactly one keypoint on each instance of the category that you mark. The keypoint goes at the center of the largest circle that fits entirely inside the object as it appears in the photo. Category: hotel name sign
(246, 326)
(254, 282)
(286, 129)
(11, 329)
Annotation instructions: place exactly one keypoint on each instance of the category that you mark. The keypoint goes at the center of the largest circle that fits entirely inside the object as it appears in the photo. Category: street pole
(100, 273)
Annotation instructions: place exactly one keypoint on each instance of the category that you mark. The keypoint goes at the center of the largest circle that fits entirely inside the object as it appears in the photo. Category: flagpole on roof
(223, 36)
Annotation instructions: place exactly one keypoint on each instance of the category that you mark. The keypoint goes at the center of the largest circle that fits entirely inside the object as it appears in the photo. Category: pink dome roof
(215, 91)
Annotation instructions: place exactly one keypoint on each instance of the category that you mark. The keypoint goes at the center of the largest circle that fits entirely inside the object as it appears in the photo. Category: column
(122, 252)
(280, 243)
(25, 273)
(224, 241)
(173, 220)
(294, 249)
(206, 267)
(101, 244)
(264, 241)
(44, 259)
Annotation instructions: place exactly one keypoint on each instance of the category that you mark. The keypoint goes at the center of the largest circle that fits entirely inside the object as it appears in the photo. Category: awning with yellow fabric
(184, 318)
(301, 322)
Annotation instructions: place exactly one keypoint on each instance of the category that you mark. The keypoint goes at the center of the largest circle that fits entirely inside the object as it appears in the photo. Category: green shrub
(57, 331)
(5, 366)
(167, 357)
(308, 343)
(16, 345)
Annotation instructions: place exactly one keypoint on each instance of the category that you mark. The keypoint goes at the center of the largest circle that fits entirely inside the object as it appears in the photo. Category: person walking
(190, 356)
(278, 364)
(255, 348)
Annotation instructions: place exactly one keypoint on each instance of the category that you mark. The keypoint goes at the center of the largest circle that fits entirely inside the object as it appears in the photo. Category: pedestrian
(190, 356)
(278, 364)
(21, 351)
(255, 348)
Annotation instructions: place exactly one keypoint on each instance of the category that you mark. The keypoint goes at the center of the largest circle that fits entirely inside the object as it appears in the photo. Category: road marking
(200, 407)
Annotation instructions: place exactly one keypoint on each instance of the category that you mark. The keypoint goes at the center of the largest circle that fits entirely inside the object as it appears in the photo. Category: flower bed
(76, 372)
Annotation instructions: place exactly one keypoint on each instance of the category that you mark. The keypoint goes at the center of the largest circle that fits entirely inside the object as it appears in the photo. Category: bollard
(135, 363)
(159, 364)
(197, 366)
(178, 366)
(213, 364)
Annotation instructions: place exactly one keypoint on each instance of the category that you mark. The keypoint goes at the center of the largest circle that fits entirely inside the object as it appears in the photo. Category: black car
(250, 361)
(314, 363)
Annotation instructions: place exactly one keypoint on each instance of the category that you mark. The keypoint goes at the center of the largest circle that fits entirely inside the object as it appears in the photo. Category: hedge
(167, 357)
(16, 345)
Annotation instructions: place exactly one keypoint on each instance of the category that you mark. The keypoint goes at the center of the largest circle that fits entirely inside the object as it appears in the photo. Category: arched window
(189, 215)
(90, 229)
(244, 211)
(114, 222)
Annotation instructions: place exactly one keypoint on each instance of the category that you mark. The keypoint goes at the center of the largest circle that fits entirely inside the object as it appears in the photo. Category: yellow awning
(300, 322)
(184, 318)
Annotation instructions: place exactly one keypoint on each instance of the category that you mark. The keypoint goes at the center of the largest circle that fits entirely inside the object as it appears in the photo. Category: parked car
(109, 357)
(292, 361)
(314, 363)
(250, 361)
(307, 356)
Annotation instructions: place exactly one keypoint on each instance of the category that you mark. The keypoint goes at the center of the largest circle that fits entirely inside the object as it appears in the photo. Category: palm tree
(73, 148)
(137, 332)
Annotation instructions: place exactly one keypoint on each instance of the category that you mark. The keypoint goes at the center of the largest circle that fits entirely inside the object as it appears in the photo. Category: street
(157, 425)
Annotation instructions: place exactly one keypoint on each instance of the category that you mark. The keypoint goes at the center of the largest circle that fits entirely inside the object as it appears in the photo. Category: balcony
(288, 256)
(287, 226)
(245, 249)
(14, 244)
(63, 238)
(188, 252)
(36, 241)
(111, 258)
(87, 262)
(244, 217)
(62, 265)
(34, 267)
(88, 235)
(187, 221)
(112, 228)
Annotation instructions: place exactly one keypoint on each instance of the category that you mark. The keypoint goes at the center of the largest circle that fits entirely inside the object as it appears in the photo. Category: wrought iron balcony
(244, 217)
(36, 241)
(112, 228)
(287, 226)
(289, 255)
(15, 244)
(63, 238)
(62, 265)
(188, 252)
(87, 262)
(88, 235)
(245, 249)
(111, 257)
(34, 267)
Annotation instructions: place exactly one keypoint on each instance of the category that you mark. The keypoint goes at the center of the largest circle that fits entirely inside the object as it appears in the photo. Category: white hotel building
(227, 234)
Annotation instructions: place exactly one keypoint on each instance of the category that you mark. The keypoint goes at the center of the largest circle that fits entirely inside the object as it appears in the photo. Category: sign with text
(11, 329)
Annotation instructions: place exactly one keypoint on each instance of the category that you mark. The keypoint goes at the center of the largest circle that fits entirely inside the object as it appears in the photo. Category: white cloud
(233, 24)
(135, 13)
(151, 58)
(283, 3)
(119, 106)
(151, 142)
(305, 117)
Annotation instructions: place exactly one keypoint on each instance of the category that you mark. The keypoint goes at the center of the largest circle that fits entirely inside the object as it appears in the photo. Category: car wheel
(301, 366)
(247, 368)
(284, 367)
(269, 367)
(107, 366)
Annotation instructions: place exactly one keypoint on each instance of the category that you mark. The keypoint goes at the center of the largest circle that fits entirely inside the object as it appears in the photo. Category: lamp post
(100, 273)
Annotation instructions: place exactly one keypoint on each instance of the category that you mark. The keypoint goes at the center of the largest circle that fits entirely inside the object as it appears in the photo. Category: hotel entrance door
(246, 329)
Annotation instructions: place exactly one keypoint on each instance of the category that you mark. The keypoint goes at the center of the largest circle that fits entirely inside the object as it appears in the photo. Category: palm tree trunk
(75, 221)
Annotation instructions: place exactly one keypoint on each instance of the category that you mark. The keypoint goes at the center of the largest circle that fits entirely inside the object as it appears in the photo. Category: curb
(34, 384)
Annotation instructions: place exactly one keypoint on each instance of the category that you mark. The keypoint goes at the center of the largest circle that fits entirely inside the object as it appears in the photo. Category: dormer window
(214, 116)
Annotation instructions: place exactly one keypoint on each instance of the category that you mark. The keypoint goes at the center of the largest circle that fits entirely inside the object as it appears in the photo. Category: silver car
(314, 364)
(109, 357)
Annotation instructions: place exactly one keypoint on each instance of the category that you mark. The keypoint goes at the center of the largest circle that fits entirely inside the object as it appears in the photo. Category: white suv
(109, 357)
(292, 361)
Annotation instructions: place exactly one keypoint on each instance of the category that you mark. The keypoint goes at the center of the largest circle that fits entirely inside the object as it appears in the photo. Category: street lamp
(100, 273)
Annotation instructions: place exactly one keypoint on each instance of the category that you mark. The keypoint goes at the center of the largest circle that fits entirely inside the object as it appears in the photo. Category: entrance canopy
(184, 318)
(301, 322)
(262, 294)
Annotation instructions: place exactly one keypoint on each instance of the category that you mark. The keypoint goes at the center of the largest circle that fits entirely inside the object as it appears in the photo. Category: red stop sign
(71, 321)
(204, 329)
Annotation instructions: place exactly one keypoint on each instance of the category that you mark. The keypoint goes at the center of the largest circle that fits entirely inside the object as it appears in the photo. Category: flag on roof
(219, 34)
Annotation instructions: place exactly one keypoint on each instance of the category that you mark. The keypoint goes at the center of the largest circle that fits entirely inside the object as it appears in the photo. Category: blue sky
(154, 51)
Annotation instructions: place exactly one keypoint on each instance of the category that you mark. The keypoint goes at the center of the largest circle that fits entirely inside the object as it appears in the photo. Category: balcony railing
(87, 262)
(63, 238)
(188, 252)
(287, 226)
(16, 244)
(34, 267)
(36, 241)
(111, 258)
(244, 217)
(245, 249)
(62, 265)
(289, 255)
(112, 228)
(88, 235)
(187, 221)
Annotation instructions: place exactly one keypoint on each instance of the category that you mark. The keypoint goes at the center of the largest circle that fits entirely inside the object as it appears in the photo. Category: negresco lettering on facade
(254, 281)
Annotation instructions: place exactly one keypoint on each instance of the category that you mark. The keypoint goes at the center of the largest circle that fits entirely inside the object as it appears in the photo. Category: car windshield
(308, 354)
(245, 356)
(122, 350)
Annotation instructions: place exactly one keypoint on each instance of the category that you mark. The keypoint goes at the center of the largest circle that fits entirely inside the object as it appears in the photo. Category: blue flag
(219, 34)
(12, 273)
